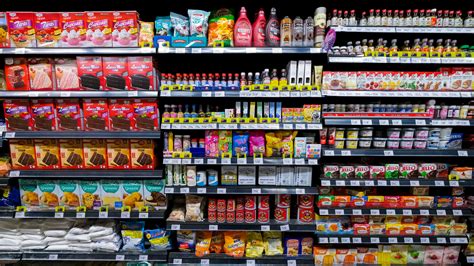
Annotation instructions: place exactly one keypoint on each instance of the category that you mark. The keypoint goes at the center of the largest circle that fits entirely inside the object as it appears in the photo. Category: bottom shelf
(429, 240)
(159, 256)
(178, 258)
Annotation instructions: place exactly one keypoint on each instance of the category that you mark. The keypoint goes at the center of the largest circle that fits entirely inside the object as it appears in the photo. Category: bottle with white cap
(319, 26)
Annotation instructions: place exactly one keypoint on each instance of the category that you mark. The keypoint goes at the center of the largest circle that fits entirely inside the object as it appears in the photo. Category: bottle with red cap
(396, 19)
(191, 80)
(339, 18)
(371, 18)
(401, 21)
(469, 21)
(446, 18)
(384, 17)
(197, 81)
(408, 19)
(224, 80)
(416, 18)
(185, 79)
(378, 18)
(389, 18)
(334, 18)
(204, 80)
(451, 19)
(216, 80)
(210, 80)
(434, 18)
(345, 19)
(363, 19)
(439, 19)
(352, 18)
(428, 18)
(421, 22)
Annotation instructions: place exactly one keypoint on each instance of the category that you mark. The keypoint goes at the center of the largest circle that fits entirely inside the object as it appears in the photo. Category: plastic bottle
(272, 31)
(308, 40)
(298, 32)
(319, 26)
(286, 32)
(258, 30)
(243, 30)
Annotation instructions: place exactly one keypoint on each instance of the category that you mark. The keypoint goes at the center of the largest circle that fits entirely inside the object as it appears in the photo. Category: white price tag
(288, 126)
(125, 215)
(34, 94)
(458, 240)
(369, 183)
(339, 212)
(424, 240)
(408, 240)
(291, 263)
(315, 126)
(355, 122)
(143, 257)
(462, 153)
(340, 183)
(103, 215)
(250, 262)
(439, 183)
(299, 162)
(333, 240)
(328, 153)
(441, 240)
(198, 161)
(169, 190)
(221, 190)
(441, 212)
(454, 183)
(180, 50)
(345, 240)
(392, 240)
(355, 183)
(374, 212)
(258, 160)
(383, 122)
(356, 212)
(178, 261)
(300, 126)
(218, 50)
(53, 256)
(165, 126)
(356, 240)
(366, 122)
(397, 122)
(312, 162)
(284, 94)
(390, 212)
(201, 190)
(277, 50)
(394, 183)
(287, 161)
(424, 212)
(325, 183)
(305, 94)
(257, 191)
(211, 161)
(80, 215)
(323, 240)
(295, 94)
(300, 191)
(10, 135)
(205, 261)
(132, 93)
(420, 122)
(457, 212)
(219, 94)
(382, 183)
(414, 183)
(184, 190)
(20, 51)
(388, 153)
(64, 94)
(186, 161)
(119, 257)
(407, 212)
(226, 161)
(374, 240)
(265, 228)
(14, 173)
(143, 215)
(285, 227)
(323, 212)
(175, 227)
(206, 94)
(346, 153)
(251, 50)
(241, 160)
(213, 227)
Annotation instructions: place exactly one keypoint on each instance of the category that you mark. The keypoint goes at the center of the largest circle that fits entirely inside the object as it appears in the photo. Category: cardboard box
(73, 26)
(142, 153)
(99, 29)
(307, 72)
(111, 193)
(96, 114)
(66, 74)
(72, 156)
(115, 73)
(267, 175)
(69, 115)
(29, 193)
(287, 176)
(146, 114)
(4, 36)
(132, 194)
(292, 69)
(141, 73)
(303, 176)
(71, 193)
(22, 153)
(43, 114)
(17, 74)
(47, 153)
(95, 153)
(18, 115)
(154, 193)
(301, 72)
(229, 175)
(121, 115)
(247, 175)
(118, 153)
(125, 29)
(21, 29)
(90, 194)
(90, 71)
(48, 31)
(49, 193)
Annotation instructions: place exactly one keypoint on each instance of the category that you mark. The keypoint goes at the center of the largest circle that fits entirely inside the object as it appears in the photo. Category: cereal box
(16, 74)
(115, 73)
(22, 153)
(4, 37)
(90, 194)
(21, 29)
(96, 114)
(43, 114)
(111, 193)
(118, 153)
(73, 29)
(29, 193)
(99, 29)
(17, 115)
(40, 73)
(95, 153)
(132, 194)
(66, 74)
(49, 193)
(69, 115)
(72, 156)
(142, 154)
(47, 153)
(141, 73)
(145, 114)
(91, 75)
(48, 31)
(71, 193)
(125, 29)
(121, 115)
(391, 171)
(154, 193)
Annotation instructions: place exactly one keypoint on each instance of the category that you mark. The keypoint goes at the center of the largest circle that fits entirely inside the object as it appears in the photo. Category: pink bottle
(243, 30)
(259, 29)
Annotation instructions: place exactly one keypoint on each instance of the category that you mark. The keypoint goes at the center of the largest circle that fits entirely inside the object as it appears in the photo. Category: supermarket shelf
(78, 51)
(76, 94)
(397, 183)
(3, 181)
(82, 134)
(87, 174)
(11, 256)
(398, 211)
(243, 94)
(396, 122)
(420, 94)
(94, 256)
(238, 190)
(240, 161)
(257, 126)
(400, 60)
(178, 258)
(292, 226)
(403, 29)
(398, 153)
(91, 214)
(240, 50)
(392, 240)
(469, 259)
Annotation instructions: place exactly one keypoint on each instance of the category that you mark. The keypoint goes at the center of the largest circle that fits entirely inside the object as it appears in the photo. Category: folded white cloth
(30, 231)
(37, 247)
(66, 247)
(50, 239)
(11, 236)
(64, 242)
(9, 242)
(105, 232)
(77, 237)
(32, 237)
(101, 226)
(55, 233)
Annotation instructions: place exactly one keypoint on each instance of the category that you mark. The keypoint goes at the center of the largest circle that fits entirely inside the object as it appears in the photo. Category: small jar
(339, 143)
(352, 133)
(379, 143)
(434, 132)
(406, 143)
(421, 133)
(365, 143)
(433, 143)
(393, 133)
(366, 132)
(352, 143)
(340, 133)
(408, 133)
(419, 144)
(393, 144)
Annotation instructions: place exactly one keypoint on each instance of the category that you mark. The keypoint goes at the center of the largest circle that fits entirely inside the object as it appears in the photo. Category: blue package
(132, 235)
(163, 26)
(240, 141)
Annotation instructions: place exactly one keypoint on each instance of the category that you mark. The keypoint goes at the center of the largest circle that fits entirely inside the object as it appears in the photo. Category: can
(239, 203)
(221, 205)
(221, 217)
(230, 204)
(250, 202)
(250, 215)
(264, 202)
(240, 216)
(263, 215)
(230, 216)
(282, 215)
(211, 216)
(306, 201)
(305, 215)
(283, 200)
(212, 204)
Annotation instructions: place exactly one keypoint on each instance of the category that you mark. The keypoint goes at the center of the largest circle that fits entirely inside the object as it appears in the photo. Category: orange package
(235, 243)
(203, 243)
(393, 229)
(361, 229)
(408, 201)
(346, 256)
(409, 229)
(341, 201)
(375, 201)
(217, 242)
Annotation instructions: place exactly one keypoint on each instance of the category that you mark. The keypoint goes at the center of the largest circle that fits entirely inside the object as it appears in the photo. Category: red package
(230, 205)
(282, 215)
(305, 215)
(263, 215)
(47, 26)
(89, 69)
(96, 114)
(43, 114)
(305, 201)
(141, 73)
(221, 217)
(408, 201)
(230, 216)
(4, 38)
(391, 202)
(239, 216)
(212, 204)
(283, 201)
(121, 115)
(16, 74)
(211, 216)
(361, 229)
(250, 202)
(40, 73)
(21, 29)
(221, 205)
(239, 203)
(264, 202)
(146, 114)
(69, 115)
(99, 29)
(115, 73)
(125, 26)
(67, 78)
(73, 29)
(18, 115)
(250, 216)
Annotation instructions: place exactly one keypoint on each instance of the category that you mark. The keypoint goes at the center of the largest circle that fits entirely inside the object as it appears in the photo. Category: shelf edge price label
(300, 191)
(323, 212)
(370, 183)
(382, 183)
(184, 190)
(258, 160)
(265, 228)
(119, 257)
(205, 261)
(356, 240)
(53, 257)
(213, 227)
(419, 122)
(250, 262)
(414, 183)
(221, 190)
(439, 183)
(80, 215)
(355, 122)
(346, 153)
(454, 183)
(325, 183)
(328, 153)
(103, 214)
(288, 126)
(256, 191)
(374, 212)
(219, 94)
(390, 212)
(397, 122)
(392, 240)
(394, 183)
(441, 240)
(143, 257)
(339, 212)
(323, 240)
(388, 153)
(374, 240)
(202, 190)
(125, 215)
(241, 160)
(211, 161)
(384, 122)
(206, 94)
(291, 263)
(462, 153)
(408, 240)
(287, 161)
(226, 161)
(185, 161)
(143, 215)
(407, 212)
(277, 50)
(355, 183)
(175, 227)
(333, 240)
(198, 161)
(340, 183)
(424, 212)
(356, 212)
(441, 212)
(457, 212)
(345, 240)
(366, 122)
(169, 190)
(299, 161)
(285, 227)
(424, 240)
(178, 261)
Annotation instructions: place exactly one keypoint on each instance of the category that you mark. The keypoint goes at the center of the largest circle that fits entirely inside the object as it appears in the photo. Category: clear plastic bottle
(401, 21)
(257, 78)
(408, 19)
(389, 18)
(428, 18)
(334, 18)
(180, 111)
(422, 21)
(468, 22)
(439, 19)
(352, 19)
(363, 19)
(451, 19)
(250, 78)
(266, 76)
(283, 78)
(339, 18)
(243, 80)
(378, 18)
(458, 20)
(446, 18)
(384, 18)
(166, 113)
(272, 30)
(371, 18)
(416, 18)
(396, 19)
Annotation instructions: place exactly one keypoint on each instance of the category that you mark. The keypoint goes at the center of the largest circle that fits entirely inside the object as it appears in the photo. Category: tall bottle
(272, 31)
(308, 32)
(319, 26)
(285, 32)
(258, 29)
(243, 30)
(298, 32)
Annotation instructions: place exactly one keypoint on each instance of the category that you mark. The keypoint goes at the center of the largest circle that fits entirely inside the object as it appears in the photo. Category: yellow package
(287, 138)
(255, 246)
(273, 243)
(203, 243)
(272, 145)
(279, 143)
(217, 242)
(221, 28)
(235, 243)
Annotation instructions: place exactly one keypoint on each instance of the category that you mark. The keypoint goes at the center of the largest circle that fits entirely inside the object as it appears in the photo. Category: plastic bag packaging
(9, 242)
(180, 25)
(235, 243)
(198, 22)
(217, 242)
(186, 240)
(221, 28)
(225, 141)
(163, 26)
(159, 239)
(255, 247)
(194, 208)
(211, 143)
(132, 235)
(240, 143)
(203, 243)
(257, 142)
(273, 243)
(55, 233)
(279, 143)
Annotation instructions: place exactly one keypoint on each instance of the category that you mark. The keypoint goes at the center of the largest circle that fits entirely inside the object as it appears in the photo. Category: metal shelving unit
(397, 183)
(78, 94)
(241, 161)
(292, 226)
(396, 122)
(177, 258)
(82, 134)
(242, 190)
(394, 211)
(398, 153)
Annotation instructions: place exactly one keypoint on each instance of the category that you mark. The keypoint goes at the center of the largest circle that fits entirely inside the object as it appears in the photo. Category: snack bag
(255, 246)
(159, 239)
(203, 243)
(257, 142)
(132, 235)
(198, 22)
(194, 210)
(235, 243)
(287, 138)
(273, 244)
(240, 143)
(225, 141)
(211, 143)
(186, 240)
(180, 25)
(163, 26)
(217, 242)
(221, 28)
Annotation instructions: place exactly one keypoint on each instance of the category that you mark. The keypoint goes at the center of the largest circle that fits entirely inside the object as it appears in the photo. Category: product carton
(292, 69)
(95, 153)
(18, 115)
(72, 156)
(71, 194)
(67, 78)
(73, 29)
(89, 69)
(69, 115)
(99, 29)
(96, 114)
(132, 194)
(145, 114)
(90, 194)
(16, 74)
(4, 37)
(49, 193)
(115, 73)
(307, 72)
(125, 29)
(22, 153)
(141, 73)
(142, 154)
(300, 73)
(21, 29)
(40, 74)
(111, 193)
(121, 115)
(154, 193)
(47, 153)
(47, 26)
(29, 193)
(43, 114)
(267, 175)
(118, 153)
(247, 175)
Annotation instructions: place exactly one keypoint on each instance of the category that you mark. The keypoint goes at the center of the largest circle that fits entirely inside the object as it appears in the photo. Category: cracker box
(29, 193)
(21, 29)
(22, 153)
(121, 115)
(16, 74)
(141, 153)
(18, 115)
(115, 73)
(90, 194)
(141, 73)
(96, 114)
(47, 153)
(47, 27)
(69, 115)
(43, 114)
(145, 114)
(72, 156)
(125, 29)
(111, 193)
(154, 193)
(118, 153)
(71, 194)
(132, 194)
(4, 37)
(67, 78)
(99, 29)
(49, 193)
(40, 74)
(73, 29)
(91, 75)
(95, 153)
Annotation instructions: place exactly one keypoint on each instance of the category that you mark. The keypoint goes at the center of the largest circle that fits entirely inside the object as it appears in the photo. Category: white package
(9, 242)
(292, 69)
(104, 232)
(247, 175)
(300, 75)
(303, 176)
(307, 72)
(267, 175)
(287, 176)
(55, 233)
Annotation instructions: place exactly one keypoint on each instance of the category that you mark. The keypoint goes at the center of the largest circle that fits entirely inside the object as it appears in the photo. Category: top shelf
(404, 29)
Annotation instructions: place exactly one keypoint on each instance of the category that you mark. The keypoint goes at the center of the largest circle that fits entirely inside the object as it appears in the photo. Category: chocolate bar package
(121, 115)
(22, 152)
(40, 74)
(47, 153)
(43, 114)
(118, 153)
(69, 115)
(72, 156)
(16, 74)
(95, 153)
(90, 72)
(67, 77)
(17, 115)
(116, 73)
(146, 114)
(141, 153)
(96, 114)
(141, 73)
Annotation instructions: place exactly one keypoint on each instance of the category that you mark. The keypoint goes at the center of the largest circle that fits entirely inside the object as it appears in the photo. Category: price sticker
(256, 191)
(80, 215)
(333, 240)
(394, 183)
(388, 153)
(458, 240)
(300, 191)
(219, 94)
(221, 190)
(312, 162)
(454, 183)
(424, 240)
(441, 212)
(175, 227)
(299, 162)
(325, 183)
(424, 212)
(284, 94)
(205, 261)
(339, 212)
(169, 190)
(419, 122)
(462, 153)
(250, 262)
(143, 215)
(202, 190)
(397, 122)
(382, 183)
(119, 257)
(186, 161)
(291, 263)
(457, 212)
(366, 122)
(132, 93)
(315, 126)
(357, 212)
(328, 153)
(241, 160)
(10, 135)
(355, 122)
(323, 212)
(288, 126)
(300, 126)
(392, 240)
(383, 122)
(355, 183)
(346, 153)
(375, 240)
(178, 261)
(285, 227)
(369, 183)
(407, 212)
(196, 50)
(277, 50)
(165, 126)
(439, 183)
(340, 183)
(408, 240)
(251, 50)
(265, 228)
(213, 227)
(143, 257)
(198, 161)
(323, 240)
(103, 215)
(14, 173)
(414, 183)
(125, 215)
(184, 190)
(441, 240)
(374, 212)
(287, 161)
(295, 94)
(258, 160)
(345, 240)
(390, 212)
(206, 94)
(356, 240)
(226, 161)
(64, 94)
(211, 161)
(53, 256)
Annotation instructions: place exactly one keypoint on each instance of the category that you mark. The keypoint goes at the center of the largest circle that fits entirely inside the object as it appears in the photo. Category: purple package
(211, 143)
(257, 142)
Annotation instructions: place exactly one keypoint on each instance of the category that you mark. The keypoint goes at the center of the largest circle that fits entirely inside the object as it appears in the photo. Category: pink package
(257, 142)
(67, 77)
(433, 255)
(99, 29)
(451, 255)
(212, 143)
(40, 73)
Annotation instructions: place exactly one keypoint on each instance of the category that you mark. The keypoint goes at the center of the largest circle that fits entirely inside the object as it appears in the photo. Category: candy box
(4, 37)
(95, 153)
(125, 29)
(341, 201)
(362, 172)
(21, 29)
(458, 202)
(377, 172)
(29, 193)
(91, 75)
(40, 73)
(347, 172)
(325, 201)
(121, 115)
(375, 201)
(425, 229)
(96, 114)
(18, 115)
(118, 153)
(428, 170)
(408, 201)
(409, 229)
(409, 171)
(72, 156)
(69, 115)
(391, 201)
(71, 194)
(16, 74)
(361, 229)
(145, 114)
(141, 153)
(43, 114)
(73, 29)
(99, 29)
(48, 31)
(331, 171)
(358, 201)
(141, 73)
(391, 171)
(112, 193)
(115, 73)
(66, 74)
(22, 153)
(47, 153)
(49, 193)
